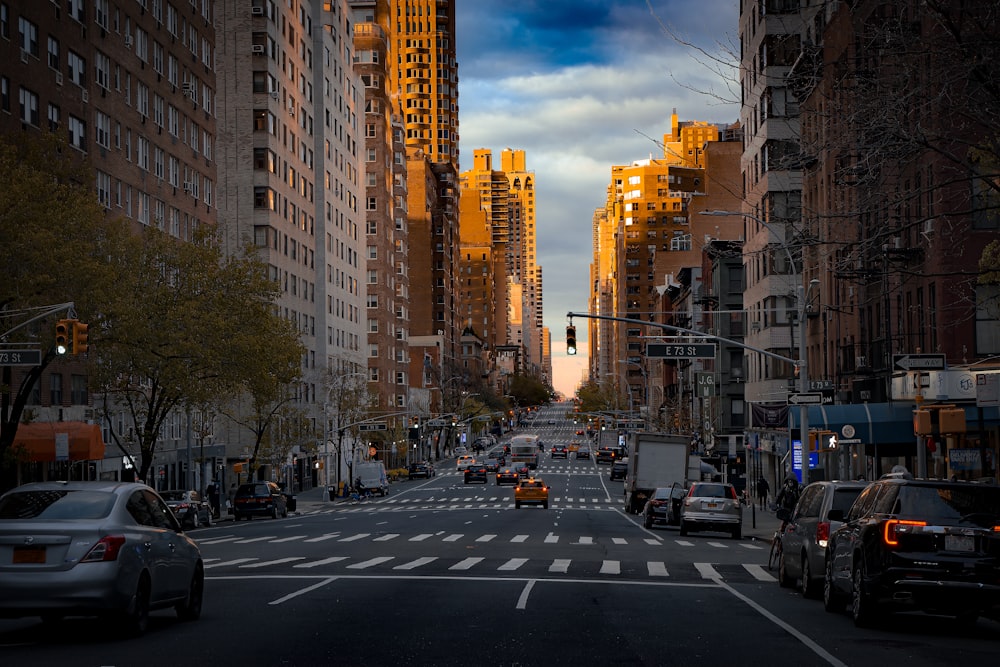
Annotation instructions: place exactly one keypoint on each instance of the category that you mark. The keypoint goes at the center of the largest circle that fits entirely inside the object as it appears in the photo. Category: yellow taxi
(531, 491)
(574, 445)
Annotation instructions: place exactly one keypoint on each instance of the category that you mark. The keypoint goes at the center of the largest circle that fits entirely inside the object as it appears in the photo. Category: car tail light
(657, 503)
(892, 530)
(823, 533)
(105, 550)
(732, 493)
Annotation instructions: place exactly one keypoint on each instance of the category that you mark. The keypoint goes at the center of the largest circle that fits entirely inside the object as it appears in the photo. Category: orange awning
(38, 441)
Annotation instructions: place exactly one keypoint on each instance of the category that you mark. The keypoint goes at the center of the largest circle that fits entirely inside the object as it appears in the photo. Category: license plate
(959, 543)
(711, 506)
(29, 555)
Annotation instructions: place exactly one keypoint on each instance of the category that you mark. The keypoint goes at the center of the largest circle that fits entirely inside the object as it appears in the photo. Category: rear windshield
(57, 504)
(709, 491)
(966, 503)
(844, 498)
(532, 482)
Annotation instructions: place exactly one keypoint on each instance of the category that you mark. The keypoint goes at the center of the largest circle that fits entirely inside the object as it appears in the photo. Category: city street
(444, 573)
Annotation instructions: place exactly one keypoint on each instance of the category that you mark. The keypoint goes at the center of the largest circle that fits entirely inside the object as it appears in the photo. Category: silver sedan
(95, 549)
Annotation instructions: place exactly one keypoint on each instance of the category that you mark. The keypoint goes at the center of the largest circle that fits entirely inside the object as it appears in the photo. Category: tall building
(134, 89)
(291, 104)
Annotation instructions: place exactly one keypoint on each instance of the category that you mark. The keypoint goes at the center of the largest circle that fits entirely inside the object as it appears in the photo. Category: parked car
(605, 455)
(423, 469)
(506, 475)
(259, 499)
(619, 469)
(464, 461)
(189, 507)
(583, 452)
(808, 529)
(95, 549)
(664, 506)
(531, 491)
(712, 506)
(476, 473)
(916, 545)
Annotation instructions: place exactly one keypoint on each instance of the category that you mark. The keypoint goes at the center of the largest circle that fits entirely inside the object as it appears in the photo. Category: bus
(525, 449)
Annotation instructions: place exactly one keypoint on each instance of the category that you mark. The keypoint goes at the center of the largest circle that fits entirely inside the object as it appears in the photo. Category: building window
(28, 33)
(55, 389)
(53, 117)
(53, 53)
(77, 68)
(372, 204)
(29, 107)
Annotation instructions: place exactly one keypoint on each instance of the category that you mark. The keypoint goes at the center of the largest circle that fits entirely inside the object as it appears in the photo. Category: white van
(372, 476)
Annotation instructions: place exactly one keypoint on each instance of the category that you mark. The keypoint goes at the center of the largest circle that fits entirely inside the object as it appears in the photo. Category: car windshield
(56, 504)
(661, 494)
(951, 504)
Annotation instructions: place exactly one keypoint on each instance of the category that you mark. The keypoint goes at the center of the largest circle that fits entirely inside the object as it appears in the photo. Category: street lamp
(645, 386)
(800, 302)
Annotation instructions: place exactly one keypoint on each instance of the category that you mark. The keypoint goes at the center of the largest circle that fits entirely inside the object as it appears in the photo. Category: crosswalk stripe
(289, 539)
(485, 538)
(220, 540)
(707, 571)
(585, 540)
(657, 569)
(279, 561)
(354, 538)
(466, 563)
(325, 561)
(453, 538)
(517, 539)
(758, 572)
(227, 563)
(560, 565)
(371, 562)
(421, 537)
(386, 537)
(611, 567)
(251, 540)
(619, 540)
(512, 564)
(654, 542)
(551, 539)
(416, 563)
(323, 538)
(718, 545)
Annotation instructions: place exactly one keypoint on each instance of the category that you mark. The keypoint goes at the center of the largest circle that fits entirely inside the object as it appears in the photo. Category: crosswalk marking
(758, 572)
(619, 540)
(551, 539)
(227, 563)
(325, 561)
(323, 538)
(289, 539)
(585, 540)
(279, 561)
(654, 542)
(707, 571)
(517, 539)
(485, 538)
(453, 538)
(371, 562)
(657, 569)
(466, 563)
(512, 564)
(220, 540)
(386, 537)
(560, 565)
(251, 540)
(354, 538)
(611, 567)
(416, 563)
(421, 537)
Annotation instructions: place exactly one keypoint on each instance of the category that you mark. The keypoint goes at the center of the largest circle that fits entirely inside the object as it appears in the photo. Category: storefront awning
(58, 441)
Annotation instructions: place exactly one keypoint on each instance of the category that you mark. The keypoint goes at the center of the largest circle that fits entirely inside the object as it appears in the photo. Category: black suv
(916, 545)
(259, 499)
(560, 451)
(421, 469)
(618, 469)
(605, 455)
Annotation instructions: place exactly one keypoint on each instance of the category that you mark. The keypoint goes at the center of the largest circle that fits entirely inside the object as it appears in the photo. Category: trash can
(290, 502)
(332, 491)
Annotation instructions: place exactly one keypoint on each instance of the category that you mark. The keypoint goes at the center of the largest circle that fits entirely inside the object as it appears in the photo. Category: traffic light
(571, 339)
(62, 336)
(80, 338)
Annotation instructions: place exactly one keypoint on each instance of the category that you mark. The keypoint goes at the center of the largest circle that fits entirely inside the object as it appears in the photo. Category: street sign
(374, 426)
(20, 357)
(680, 350)
(918, 362)
(805, 399)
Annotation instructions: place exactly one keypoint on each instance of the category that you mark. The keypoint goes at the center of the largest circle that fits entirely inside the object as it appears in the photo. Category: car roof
(110, 486)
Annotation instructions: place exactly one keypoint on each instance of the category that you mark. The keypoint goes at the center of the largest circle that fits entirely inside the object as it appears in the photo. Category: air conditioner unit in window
(274, 94)
(188, 88)
(24, 56)
(85, 96)
(258, 49)
(128, 41)
(257, 11)
(188, 186)
(59, 78)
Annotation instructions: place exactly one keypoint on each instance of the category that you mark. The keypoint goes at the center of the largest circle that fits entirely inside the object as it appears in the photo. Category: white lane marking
(256, 539)
(560, 565)
(325, 561)
(226, 563)
(758, 572)
(707, 571)
(619, 540)
(453, 538)
(386, 537)
(288, 539)
(551, 539)
(371, 562)
(585, 540)
(323, 538)
(466, 563)
(354, 538)
(219, 540)
(485, 538)
(307, 589)
(518, 538)
(416, 563)
(657, 569)
(512, 564)
(718, 545)
(611, 567)
(522, 601)
(421, 537)
(654, 542)
(279, 561)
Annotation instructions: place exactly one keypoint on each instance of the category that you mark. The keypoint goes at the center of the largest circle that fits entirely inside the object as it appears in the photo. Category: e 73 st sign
(20, 357)
(680, 350)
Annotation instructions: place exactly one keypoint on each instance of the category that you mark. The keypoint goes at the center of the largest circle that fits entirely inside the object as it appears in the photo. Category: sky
(581, 85)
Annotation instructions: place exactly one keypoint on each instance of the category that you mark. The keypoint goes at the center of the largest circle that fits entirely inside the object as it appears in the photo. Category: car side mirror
(835, 515)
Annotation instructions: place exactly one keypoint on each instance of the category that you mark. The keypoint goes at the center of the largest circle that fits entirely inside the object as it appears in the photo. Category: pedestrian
(231, 498)
(789, 494)
(213, 498)
(763, 488)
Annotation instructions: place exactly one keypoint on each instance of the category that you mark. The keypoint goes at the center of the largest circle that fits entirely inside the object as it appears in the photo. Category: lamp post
(800, 302)
(645, 387)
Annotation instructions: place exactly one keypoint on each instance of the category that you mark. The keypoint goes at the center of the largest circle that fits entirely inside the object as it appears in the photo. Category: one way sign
(918, 362)
(805, 399)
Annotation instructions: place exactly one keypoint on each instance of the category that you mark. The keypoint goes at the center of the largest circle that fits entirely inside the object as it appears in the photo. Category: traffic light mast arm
(47, 311)
(702, 334)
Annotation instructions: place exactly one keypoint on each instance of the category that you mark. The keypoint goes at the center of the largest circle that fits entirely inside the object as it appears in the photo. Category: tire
(647, 522)
(190, 608)
(862, 603)
(807, 586)
(738, 533)
(135, 620)
(832, 602)
(517, 505)
(684, 528)
(784, 580)
(545, 505)
(274, 512)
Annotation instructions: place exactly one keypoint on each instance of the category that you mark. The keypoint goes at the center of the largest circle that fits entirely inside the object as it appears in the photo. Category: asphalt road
(443, 573)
